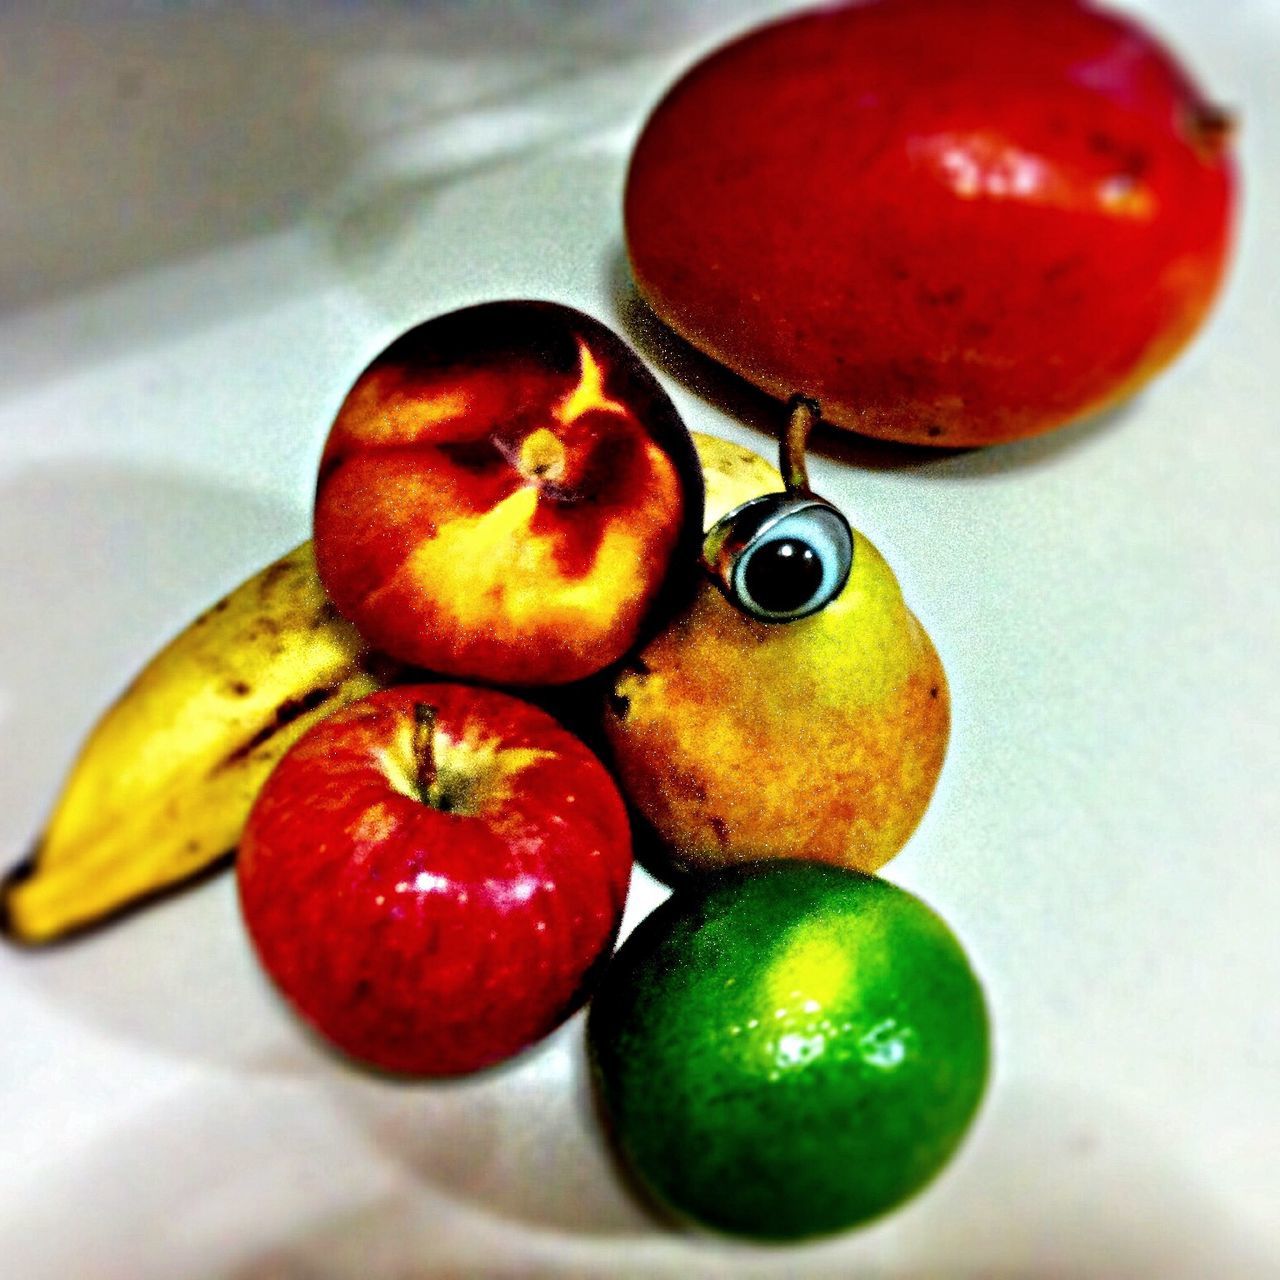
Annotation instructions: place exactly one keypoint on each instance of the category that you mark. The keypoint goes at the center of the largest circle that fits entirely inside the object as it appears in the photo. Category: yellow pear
(740, 736)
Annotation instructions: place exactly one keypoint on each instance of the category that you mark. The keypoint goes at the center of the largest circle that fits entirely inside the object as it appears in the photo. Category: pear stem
(804, 413)
(424, 755)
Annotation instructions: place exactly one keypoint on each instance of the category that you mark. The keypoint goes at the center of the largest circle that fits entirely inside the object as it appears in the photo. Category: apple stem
(804, 413)
(424, 755)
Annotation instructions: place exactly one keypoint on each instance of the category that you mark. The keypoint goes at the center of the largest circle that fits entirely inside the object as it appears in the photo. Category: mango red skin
(453, 543)
(426, 942)
(950, 223)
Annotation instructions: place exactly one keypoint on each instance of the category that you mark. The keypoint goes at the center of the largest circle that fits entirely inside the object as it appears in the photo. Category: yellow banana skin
(164, 783)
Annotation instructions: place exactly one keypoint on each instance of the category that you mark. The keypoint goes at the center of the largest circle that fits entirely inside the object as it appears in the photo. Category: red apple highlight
(432, 875)
(504, 496)
(950, 223)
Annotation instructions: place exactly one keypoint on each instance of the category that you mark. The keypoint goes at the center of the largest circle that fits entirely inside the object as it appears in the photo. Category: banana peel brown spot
(326, 615)
(287, 712)
(273, 573)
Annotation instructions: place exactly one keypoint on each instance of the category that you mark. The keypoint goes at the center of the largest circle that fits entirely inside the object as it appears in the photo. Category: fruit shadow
(1054, 1182)
(741, 400)
(521, 1142)
(101, 564)
(1057, 1181)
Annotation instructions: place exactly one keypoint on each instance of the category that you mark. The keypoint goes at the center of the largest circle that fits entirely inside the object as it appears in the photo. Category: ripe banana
(163, 785)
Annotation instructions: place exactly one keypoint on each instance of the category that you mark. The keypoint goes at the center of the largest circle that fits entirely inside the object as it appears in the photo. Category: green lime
(789, 1049)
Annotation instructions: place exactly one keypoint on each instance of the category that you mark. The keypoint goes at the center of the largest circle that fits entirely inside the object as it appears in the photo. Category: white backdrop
(211, 217)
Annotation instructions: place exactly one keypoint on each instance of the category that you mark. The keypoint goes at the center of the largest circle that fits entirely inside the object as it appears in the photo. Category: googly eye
(781, 557)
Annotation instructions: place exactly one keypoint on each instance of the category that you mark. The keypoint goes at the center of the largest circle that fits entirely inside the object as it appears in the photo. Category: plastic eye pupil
(780, 557)
(783, 575)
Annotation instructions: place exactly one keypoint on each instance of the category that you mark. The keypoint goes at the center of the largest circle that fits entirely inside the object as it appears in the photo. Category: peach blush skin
(502, 494)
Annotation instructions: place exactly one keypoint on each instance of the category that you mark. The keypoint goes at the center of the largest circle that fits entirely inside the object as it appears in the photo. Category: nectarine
(506, 494)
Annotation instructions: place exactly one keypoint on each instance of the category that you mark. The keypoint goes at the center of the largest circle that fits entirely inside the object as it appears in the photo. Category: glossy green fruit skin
(789, 1049)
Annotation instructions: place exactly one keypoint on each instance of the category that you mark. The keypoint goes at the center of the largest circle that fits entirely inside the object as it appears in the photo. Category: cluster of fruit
(523, 564)
(433, 869)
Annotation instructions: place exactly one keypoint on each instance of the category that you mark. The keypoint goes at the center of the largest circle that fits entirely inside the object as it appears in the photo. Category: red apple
(949, 223)
(432, 875)
(503, 497)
